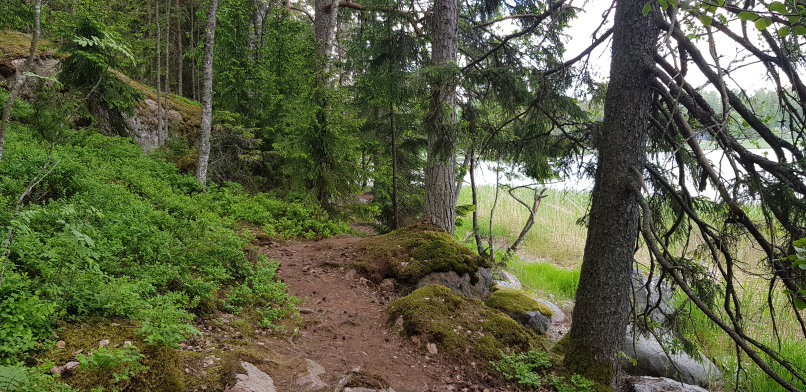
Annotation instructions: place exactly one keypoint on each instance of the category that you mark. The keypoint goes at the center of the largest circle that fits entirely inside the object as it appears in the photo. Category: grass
(550, 257)
(555, 238)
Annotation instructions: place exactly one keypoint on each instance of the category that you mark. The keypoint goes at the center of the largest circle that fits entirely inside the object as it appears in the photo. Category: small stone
(432, 348)
(61, 344)
(127, 343)
(103, 343)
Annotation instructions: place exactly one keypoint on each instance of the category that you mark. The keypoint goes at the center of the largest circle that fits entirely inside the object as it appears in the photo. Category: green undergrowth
(112, 233)
(413, 252)
(462, 328)
(546, 278)
(507, 299)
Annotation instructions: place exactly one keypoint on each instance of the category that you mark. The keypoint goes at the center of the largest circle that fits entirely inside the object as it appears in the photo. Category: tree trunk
(179, 54)
(20, 76)
(440, 173)
(207, 92)
(476, 228)
(164, 136)
(395, 205)
(159, 72)
(603, 300)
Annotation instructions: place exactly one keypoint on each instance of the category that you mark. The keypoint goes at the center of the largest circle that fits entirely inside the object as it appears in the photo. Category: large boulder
(653, 384)
(462, 284)
(522, 308)
(655, 298)
(651, 360)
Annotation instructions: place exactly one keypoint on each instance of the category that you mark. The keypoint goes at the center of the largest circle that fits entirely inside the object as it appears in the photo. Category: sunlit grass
(555, 238)
(546, 280)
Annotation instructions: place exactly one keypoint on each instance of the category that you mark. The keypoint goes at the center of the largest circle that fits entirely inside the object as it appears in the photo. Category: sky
(751, 77)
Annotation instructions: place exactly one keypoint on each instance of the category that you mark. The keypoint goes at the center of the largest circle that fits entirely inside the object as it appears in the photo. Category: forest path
(343, 328)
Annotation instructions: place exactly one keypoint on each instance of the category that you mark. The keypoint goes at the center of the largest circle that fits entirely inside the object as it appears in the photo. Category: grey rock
(507, 279)
(654, 384)
(652, 361)
(461, 284)
(558, 316)
(647, 296)
(310, 380)
(253, 381)
(534, 320)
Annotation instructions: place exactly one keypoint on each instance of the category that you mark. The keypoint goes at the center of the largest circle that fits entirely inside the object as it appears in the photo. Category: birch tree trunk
(207, 94)
(440, 173)
(20, 77)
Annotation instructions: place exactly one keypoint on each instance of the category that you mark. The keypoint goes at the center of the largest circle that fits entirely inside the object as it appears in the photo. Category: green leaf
(793, 19)
(647, 8)
(663, 4)
(799, 303)
(763, 23)
(720, 2)
(747, 15)
(802, 292)
(783, 31)
(706, 20)
(777, 6)
(790, 292)
(800, 30)
(673, 2)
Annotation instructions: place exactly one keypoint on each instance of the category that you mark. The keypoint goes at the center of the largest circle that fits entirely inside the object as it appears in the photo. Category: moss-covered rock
(513, 300)
(165, 365)
(460, 327)
(413, 252)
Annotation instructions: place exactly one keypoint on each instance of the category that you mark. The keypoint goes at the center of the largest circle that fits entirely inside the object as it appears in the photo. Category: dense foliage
(110, 232)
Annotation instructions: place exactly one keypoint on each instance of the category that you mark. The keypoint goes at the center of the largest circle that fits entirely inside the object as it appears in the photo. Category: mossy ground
(14, 45)
(165, 365)
(504, 298)
(462, 328)
(410, 253)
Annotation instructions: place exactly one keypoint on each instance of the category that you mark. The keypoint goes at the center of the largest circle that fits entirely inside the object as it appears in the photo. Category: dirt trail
(343, 328)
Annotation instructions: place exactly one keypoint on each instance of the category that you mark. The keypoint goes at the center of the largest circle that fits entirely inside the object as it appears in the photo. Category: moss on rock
(413, 252)
(165, 365)
(461, 327)
(513, 300)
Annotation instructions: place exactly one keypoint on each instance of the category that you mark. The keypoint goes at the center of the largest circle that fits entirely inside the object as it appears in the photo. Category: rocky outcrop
(462, 284)
(655, 298)
(522, 308)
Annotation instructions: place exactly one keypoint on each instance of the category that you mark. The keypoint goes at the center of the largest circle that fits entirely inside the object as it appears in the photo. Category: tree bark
(440, 173)
(159, 72)
(603, 300)
(395, 205)
(20, 77)
(207, 92)
(179, 55)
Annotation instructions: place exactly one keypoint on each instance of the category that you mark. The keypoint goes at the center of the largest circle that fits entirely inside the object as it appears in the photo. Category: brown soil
(343, 327)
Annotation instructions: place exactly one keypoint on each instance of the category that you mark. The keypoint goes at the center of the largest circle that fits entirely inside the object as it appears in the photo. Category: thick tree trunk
(603, 299)
(207, 92)
(19, 80)
(440, 171)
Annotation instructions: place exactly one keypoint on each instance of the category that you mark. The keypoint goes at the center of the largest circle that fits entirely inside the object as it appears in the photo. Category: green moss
(508, 299)
(413, 252)
(580, 360)
(461, 327)
(14, 45)
(190, 110)
(165, 365)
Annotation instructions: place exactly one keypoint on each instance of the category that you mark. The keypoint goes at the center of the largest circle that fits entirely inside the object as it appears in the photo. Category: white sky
(750, 77)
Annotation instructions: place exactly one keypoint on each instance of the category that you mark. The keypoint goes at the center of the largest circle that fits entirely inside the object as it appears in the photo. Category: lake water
(486, 173)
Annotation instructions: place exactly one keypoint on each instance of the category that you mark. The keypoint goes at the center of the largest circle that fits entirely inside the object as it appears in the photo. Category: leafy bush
(523, 367)
(264, 292)
(25, 319)
(577, 384)
(120, 363)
